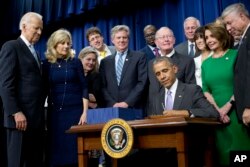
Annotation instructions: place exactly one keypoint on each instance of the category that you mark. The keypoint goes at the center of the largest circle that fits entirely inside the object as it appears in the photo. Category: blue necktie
(119, 67)
(33, 51)
(191, 52)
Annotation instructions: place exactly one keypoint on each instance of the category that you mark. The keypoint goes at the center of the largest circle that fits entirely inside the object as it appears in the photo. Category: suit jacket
(133, 79)
(186, 74)
(188, 97)
(21, 86)
(242, 76)
(111, 49)
(148, 52)
(182, 49)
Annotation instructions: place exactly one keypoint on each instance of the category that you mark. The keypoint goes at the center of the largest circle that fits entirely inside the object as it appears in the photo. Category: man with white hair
(21, 90)
(187, 48)
(237, 19)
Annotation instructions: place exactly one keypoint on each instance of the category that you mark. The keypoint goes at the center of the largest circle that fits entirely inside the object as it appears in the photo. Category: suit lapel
(178, 96)
(112, 68)
(27, 52)
(162, 97)
(126, 64)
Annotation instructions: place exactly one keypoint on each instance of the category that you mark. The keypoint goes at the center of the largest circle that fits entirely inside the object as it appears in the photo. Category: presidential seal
(117, 138)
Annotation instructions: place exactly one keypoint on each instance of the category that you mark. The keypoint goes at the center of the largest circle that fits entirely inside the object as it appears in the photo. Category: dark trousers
(25, 148)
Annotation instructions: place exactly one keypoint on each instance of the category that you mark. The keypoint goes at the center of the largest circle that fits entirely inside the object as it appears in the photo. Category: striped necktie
(119, 66)
(33, 51)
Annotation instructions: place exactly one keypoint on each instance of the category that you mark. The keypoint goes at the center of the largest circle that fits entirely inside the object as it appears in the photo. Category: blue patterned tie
(169, 101)
(119, 67)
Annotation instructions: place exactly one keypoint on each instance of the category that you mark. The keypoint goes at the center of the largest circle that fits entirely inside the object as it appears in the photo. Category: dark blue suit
(148, 52)
(21, 89)
(187, 97)
(133, 80)
(242, 77)
(186, 71)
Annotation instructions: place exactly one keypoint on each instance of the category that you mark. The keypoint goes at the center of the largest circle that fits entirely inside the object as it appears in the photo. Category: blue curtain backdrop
(78, 15)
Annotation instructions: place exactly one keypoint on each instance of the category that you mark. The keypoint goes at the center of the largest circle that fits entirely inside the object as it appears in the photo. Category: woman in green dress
(217, 84)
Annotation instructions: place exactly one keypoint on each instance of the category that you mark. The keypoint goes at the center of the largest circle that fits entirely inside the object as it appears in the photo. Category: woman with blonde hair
(67, 97)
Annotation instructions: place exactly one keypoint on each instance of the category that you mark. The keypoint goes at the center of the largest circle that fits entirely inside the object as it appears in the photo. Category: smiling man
(176, 98)
(124, 73)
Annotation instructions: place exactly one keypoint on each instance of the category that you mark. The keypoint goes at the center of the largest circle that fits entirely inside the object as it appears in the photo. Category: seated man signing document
(175, 98)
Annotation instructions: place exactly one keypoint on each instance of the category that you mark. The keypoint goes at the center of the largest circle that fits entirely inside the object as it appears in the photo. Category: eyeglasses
(149, 35)
(96, 37)
(165, 36)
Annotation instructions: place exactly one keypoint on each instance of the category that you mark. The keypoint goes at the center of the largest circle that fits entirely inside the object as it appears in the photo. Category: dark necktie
(191, 52)
(156, 52)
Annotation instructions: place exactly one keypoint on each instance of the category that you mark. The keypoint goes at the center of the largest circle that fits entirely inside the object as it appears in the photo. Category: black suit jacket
(188, 97)
(148, 52)
(242, 76)
(133, 79)
(186, 74)
(21, 84)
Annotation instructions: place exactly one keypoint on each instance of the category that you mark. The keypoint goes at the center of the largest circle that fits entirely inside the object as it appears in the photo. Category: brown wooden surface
(155, 132)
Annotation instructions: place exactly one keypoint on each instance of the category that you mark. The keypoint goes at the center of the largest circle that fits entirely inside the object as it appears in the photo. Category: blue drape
(78, 15)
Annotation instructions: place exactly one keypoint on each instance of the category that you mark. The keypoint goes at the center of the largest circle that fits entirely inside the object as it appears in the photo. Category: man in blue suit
(124, 73)
(21, 91)
(150, 50)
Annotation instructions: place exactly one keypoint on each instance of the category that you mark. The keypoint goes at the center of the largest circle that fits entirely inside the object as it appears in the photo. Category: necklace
(59, 63)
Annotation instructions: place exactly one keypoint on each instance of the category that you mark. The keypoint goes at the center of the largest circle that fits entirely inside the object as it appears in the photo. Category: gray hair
(236, 8)
(27, 17)
(118, 28)
(192, 18)
(162, 28)
(150, 26)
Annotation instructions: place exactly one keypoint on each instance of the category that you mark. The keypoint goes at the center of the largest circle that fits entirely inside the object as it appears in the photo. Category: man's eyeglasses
(94, 38)
(150, 35)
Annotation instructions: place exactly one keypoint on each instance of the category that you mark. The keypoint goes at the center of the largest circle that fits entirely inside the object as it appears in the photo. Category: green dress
(217, 79)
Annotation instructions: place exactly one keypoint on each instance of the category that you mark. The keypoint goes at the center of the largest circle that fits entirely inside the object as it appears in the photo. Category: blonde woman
(67, 97)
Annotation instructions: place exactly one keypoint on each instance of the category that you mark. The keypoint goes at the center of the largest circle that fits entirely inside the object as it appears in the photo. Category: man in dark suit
(187, 48)
(165, 41)
(22, 95)
(124, 73)
(150, 50)
(236, 18)
(186, 99)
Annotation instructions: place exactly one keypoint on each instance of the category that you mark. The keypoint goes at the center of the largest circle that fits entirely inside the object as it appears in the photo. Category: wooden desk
(175, 132)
